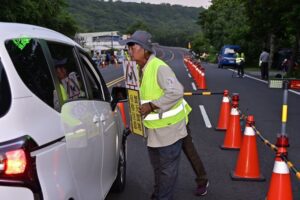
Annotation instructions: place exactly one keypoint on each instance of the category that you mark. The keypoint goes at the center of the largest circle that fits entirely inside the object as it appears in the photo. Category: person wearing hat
(164, 110)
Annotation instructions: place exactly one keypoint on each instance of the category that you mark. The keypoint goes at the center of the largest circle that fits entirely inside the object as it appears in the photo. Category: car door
(80, 121)
(109, 131)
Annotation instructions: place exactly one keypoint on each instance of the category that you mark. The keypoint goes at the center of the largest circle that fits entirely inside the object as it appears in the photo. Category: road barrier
(233, 136)
(206, 93)
(224, 112)
(247, 166)
(123, 115)
(197, 72)
(273, 147)
(280, 183)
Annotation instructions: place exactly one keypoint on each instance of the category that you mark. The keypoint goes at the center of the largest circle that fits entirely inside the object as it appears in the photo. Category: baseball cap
(141, 38)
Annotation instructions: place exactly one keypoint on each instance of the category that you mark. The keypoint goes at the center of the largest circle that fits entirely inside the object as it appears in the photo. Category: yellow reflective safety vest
(63, 92)
(150, 90)
(239, 58)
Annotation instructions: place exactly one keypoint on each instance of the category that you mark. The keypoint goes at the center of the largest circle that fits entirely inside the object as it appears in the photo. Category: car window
(95, 78)
(93, 83)
(228, 51)
(5, 96)
(30, 63)
(71, 84)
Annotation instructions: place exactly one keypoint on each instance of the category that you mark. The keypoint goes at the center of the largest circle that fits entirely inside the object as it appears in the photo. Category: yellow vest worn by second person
(150, 90)
(240, 57)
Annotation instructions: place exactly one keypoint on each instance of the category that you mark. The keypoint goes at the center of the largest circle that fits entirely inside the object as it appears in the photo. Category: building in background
(100, 41)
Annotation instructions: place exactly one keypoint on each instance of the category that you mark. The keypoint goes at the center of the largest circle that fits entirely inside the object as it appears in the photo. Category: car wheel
(119, 184)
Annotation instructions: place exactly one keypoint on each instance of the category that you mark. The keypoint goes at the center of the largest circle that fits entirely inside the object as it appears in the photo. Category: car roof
(18, 30)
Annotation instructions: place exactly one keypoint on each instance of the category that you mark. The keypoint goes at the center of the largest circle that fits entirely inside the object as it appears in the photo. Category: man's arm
(173, 90)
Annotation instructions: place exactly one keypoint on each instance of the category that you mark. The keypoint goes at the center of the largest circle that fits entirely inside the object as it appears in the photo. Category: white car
(62, 136)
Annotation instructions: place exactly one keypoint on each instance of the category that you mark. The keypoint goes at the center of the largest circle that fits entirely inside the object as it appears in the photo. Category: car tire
(119, 184)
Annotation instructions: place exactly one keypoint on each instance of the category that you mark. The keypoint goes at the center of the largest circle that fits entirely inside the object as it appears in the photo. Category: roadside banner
(132, 84)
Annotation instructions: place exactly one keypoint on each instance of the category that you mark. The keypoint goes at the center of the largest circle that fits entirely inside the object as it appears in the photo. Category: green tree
(48, 13)
(139, 25)
(224, 22)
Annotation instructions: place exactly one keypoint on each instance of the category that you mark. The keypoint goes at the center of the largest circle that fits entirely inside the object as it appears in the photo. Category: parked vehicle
(226, 56)
(62, 136)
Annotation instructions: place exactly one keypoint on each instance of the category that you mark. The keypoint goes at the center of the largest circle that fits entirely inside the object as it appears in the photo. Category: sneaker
(201, 190)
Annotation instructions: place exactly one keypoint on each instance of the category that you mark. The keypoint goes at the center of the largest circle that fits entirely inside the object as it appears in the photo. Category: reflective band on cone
(225, 100)
(234, 111)
(249, 131)
(280, 167)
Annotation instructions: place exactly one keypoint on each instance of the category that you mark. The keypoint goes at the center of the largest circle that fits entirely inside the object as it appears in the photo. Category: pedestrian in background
(240, 60)
(264, 64)
(165, 113)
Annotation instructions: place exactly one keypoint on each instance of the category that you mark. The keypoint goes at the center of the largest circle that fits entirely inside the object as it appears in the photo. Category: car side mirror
(119, 94)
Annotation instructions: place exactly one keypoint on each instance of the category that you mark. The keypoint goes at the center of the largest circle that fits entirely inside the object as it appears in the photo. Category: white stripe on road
(205, 117)
(186, 69)
(189, 75)
(293, 91)
(257, 79)
(194, 86)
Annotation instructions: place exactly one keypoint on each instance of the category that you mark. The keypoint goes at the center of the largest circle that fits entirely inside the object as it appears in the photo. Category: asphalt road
(255, 99)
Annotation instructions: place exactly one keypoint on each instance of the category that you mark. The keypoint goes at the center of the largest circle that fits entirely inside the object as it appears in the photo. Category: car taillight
(15, 162)
(17, 166)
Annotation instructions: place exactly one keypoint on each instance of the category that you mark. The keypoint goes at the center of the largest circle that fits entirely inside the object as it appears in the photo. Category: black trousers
(264, 71)
(193, 157)
(240, 69)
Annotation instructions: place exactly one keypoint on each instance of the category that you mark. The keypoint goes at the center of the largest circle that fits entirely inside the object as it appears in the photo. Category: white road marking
(205, 117)
(194, 86)
(293, 91)
(189, 75)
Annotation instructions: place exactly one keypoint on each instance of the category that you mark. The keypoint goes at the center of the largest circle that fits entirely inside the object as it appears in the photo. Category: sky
(191, 3)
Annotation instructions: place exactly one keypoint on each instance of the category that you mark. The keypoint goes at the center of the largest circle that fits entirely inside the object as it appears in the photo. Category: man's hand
(146, 108)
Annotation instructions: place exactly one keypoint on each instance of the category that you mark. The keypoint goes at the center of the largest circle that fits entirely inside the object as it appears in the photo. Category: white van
(62, 136)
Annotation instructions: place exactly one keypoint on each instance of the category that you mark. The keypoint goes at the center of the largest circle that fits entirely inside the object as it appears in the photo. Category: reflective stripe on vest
(239, 58)
(166, 114)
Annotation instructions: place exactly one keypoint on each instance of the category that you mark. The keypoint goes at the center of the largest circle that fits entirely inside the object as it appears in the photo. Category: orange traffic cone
(280, 184)
(247, 167)
(122, 110)
(233, 137)
(202, 81)
(224, 113)
(198, 78)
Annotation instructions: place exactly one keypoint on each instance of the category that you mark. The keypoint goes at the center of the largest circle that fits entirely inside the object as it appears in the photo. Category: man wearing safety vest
(239, 60)
(164, 110)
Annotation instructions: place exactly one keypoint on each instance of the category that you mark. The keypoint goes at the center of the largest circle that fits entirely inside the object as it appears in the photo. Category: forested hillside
(168, 24)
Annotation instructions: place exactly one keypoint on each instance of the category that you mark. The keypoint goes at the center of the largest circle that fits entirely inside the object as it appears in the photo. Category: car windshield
(5, 96)
(228, 51)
